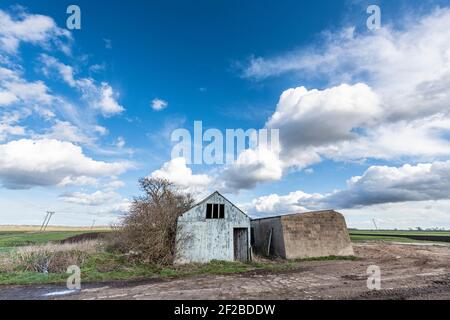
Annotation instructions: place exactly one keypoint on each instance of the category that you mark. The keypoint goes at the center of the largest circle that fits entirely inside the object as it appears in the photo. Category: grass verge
(106, 266)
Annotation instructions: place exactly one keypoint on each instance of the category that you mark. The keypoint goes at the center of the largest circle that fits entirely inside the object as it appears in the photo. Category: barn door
(240, 244)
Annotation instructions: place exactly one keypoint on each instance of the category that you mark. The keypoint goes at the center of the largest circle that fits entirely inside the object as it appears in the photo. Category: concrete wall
(261, 229)
(316, 234)
(303, 235)
(202, 240)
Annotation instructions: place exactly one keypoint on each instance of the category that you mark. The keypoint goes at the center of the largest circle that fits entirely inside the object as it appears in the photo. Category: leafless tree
(148, 231)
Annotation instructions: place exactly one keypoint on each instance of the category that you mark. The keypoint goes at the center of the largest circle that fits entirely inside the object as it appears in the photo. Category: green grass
(17, 238)
(26, 277)
(111, 266)
(363, 237)
(401, 232)
(395, 235)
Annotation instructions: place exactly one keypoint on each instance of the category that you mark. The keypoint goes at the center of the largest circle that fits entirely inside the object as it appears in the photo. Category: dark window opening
(222, 212)
(209, 211)
(215, 211)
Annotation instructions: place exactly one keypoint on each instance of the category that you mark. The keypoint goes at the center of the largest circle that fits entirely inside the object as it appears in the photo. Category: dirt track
(407, 271)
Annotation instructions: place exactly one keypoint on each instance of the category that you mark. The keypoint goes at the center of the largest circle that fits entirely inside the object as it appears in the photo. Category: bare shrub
(53, 257)
(148, 232)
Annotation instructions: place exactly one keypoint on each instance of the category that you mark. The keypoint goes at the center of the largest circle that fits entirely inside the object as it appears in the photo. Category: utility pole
(376, 227)
(93, 222)
(43, 223)
(48, 217)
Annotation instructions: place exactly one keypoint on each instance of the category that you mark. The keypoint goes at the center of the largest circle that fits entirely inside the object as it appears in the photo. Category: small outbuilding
(214, 229)
(302, 235)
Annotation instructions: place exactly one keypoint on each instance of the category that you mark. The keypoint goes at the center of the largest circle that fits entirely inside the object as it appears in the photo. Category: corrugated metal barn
(302, 235)
(214, 229)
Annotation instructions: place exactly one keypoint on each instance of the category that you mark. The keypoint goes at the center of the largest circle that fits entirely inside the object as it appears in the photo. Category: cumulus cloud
(177, 171)
(159, 104)
(275, 204)
(388, 94)
(376, 186)
(408, 67)
(252, 166)
(27, 163)
(383, 184)
(321, 117)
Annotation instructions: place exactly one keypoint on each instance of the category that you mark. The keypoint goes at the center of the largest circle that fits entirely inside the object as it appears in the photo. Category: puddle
(60, 293)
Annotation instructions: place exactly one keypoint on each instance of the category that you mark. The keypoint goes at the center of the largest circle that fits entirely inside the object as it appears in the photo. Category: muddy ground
(407, 272)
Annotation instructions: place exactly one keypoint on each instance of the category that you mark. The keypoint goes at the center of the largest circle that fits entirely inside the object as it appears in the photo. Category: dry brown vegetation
(148, 232)
(51, 257)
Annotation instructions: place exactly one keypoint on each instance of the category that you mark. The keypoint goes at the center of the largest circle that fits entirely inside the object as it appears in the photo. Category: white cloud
(26, 163)
(97, 198)
(13, 88)
(408, 68)
(114, 184)
(101, 97)
(275, 204)
(318, 117)
(395, 107)
(252, 166)
(78, 181)
(108, 105)
(66, 72)
(30, 28)
(422, 139)
(65, 131)
(181, 175)
(7, 98)
(9, 127)
(383, 184)
(159, 104)
(377, 186)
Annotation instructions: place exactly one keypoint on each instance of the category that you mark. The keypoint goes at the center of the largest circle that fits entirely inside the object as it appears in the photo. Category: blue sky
(363, 114)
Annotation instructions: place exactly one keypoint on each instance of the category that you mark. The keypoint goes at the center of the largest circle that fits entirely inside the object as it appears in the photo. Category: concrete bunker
(302, 235)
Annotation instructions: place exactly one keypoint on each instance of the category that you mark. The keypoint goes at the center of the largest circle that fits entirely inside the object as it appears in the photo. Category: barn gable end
(201, 238)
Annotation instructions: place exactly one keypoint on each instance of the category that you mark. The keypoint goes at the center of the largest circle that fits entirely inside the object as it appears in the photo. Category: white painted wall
(209, 239)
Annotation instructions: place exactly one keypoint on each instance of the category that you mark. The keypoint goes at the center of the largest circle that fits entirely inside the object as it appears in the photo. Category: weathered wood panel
(202, 240)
